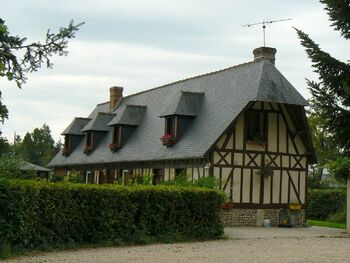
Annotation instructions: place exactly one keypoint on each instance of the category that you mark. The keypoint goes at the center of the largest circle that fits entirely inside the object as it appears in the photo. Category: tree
(325, 147)
(332, 93)
(5, 146)
(38, 147)
(17, 58)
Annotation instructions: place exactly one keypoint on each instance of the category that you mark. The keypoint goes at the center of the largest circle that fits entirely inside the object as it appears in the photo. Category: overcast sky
(143, 44)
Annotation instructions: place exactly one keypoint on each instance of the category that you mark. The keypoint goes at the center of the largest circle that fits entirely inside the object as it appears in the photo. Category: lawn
(311, 222)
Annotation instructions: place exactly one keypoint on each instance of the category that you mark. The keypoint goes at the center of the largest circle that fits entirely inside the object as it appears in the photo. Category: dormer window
(116, 139)
(170, 131)
(66, 146)
(88, 143)
(255, 126)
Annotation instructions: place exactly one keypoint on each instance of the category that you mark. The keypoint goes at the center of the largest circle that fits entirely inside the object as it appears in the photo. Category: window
(116, 139)
(170, 131)
(158, 176)
(66, 146)
(255, 127)
(88, 143)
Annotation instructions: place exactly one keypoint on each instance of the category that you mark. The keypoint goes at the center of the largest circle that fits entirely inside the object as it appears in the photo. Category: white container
(267, 223)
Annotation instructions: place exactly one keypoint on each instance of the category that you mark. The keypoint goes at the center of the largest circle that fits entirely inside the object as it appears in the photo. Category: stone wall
(255, 217)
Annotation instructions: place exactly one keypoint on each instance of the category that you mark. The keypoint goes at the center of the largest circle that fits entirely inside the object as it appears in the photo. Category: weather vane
(264, 23)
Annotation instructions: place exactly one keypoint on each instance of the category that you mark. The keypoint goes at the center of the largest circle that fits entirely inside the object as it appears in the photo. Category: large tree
(18, 58)
(331, 94)
(38, 147)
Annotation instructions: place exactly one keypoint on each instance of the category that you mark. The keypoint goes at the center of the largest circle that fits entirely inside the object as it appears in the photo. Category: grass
(325, 224)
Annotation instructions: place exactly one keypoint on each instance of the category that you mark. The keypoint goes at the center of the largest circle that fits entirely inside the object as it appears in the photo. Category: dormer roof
(131, 115)
(187, 104)
(75, 127)
(99, 122)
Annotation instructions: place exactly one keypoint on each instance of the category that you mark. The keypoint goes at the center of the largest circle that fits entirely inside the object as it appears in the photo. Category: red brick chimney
(262, 53)
(115, 95)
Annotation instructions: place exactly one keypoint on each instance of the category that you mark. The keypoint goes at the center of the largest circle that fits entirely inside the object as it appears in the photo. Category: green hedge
(39, 215)
(322, 203)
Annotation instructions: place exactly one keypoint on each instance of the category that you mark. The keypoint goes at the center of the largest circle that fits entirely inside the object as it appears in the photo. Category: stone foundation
(255, 217)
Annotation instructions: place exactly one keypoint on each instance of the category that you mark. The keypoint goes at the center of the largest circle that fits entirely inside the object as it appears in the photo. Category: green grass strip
(325, 224)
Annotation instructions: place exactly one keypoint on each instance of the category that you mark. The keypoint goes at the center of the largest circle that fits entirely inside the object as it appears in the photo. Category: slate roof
(99, 122)
(25, 166)
(188, 104)
(132, 115)
(76, 126)
(226, 94)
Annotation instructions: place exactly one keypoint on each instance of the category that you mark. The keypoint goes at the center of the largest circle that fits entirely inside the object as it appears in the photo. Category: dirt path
(242, 245)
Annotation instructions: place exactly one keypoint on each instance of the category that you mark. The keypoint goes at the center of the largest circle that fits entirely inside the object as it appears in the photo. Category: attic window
(89, 143)
(66, 146)
(116, 139)
(255, 127)
(170, 131)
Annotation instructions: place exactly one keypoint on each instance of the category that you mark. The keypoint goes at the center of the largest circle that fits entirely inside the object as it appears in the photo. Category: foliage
(340, 168)
(74, 177)
(325, 147)
(38, 147)
(37, 215)
(311, 222)
(18, 58)
(331, 96)
(323, 203)
(10, 168)
(5, 146)
(182, 180)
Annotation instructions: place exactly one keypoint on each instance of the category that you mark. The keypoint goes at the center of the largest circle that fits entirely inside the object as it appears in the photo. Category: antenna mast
(264, 23)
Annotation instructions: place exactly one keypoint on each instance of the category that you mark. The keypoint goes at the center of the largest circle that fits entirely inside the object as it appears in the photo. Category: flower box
(167, 139)
(113, 147)
(87, 149)
(65, 152)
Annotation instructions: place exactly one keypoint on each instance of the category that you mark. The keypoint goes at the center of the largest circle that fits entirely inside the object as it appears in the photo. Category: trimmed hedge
(39, 215)
(321, 203)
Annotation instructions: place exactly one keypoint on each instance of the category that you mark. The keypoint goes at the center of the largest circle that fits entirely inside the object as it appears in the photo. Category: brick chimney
(115, 95)
(262, 53)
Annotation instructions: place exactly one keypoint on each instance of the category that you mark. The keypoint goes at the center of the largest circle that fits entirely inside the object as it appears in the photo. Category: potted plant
(65, 152)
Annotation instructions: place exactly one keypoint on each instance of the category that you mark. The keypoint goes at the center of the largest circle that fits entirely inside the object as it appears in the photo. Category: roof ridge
(82, 118)
(190, 78)
(259, 82)
(102, 103)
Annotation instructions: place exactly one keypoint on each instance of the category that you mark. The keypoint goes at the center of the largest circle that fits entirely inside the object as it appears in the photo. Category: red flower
(167, 139)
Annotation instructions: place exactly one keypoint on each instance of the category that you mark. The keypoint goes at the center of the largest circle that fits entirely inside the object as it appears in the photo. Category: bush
(37, 215)
(323, 203)
(182, 180)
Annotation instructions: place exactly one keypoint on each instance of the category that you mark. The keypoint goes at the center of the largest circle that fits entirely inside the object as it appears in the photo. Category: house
(28, 168)
(244, 125)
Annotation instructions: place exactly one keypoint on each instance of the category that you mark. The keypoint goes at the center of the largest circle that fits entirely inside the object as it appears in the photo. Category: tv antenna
(264, 23)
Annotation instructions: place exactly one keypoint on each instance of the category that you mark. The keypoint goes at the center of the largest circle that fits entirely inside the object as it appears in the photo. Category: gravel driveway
(246, 244)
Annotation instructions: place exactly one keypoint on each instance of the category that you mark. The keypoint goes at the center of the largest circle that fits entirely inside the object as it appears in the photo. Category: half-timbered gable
(244, 125)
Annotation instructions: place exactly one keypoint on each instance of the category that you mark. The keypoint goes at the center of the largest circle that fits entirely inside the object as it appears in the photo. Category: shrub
(322, 203)
(36, 214)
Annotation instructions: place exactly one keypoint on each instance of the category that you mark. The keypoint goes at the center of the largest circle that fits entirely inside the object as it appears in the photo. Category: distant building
(41, 172)
(244, 125)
